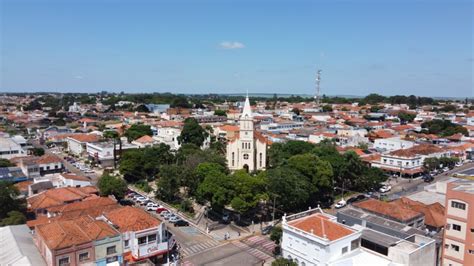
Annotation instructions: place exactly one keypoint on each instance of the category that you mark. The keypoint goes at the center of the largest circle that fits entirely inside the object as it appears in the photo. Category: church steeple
(247, 111)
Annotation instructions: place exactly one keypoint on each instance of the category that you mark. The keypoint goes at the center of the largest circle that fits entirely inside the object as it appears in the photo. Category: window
(111, 259)
(354, 244)
(142, 240)
(233, 159)
(344, 250)
(455, 247)
(472, 230)
(471, 251)
(126, 243)
(151, 238)
(63, 261)
(243, 145)
(261, 159)
(458, 205)
(84, 256)
(111, 250)
(456, 227)
(246, 156)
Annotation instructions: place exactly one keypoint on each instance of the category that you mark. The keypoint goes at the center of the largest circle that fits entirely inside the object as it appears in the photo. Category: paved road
(251, 251)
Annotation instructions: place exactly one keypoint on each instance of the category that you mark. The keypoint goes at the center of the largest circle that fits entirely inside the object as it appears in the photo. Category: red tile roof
(59, 196)
(422, 149)
(85, 137)
(388, 209)
(48, 158)
(145, 139)
(434, 213)
(75, 177)
(66, 233)
(132, 219)
(321, 226)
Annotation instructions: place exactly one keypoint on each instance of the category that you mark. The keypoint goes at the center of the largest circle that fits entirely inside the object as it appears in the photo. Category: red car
(160, 210)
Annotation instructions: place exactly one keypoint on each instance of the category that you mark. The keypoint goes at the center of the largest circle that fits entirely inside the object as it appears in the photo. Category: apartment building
(458, 237)
(76, 144)
(9, 148)
(391, 144)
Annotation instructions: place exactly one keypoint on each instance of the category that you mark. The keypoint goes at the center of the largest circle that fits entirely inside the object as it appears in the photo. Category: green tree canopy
(220, 112)
(110, 185)
(13, 218)
(137, 130)
(6, 163)
(9, 199)
(192, 133)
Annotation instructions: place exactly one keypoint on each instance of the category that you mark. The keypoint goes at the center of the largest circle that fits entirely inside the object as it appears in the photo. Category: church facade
(248, 150)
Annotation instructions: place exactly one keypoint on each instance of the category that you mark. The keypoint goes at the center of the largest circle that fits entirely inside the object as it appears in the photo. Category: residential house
(9, 148)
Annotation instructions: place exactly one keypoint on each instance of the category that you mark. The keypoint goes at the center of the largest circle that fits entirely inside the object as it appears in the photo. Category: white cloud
(78, 77)
(231, 45)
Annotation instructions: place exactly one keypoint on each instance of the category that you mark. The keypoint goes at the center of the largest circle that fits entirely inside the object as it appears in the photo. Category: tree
(110, 185)
(142, 109)
(37, 151)
(276, 234)
(406, 117)
(220, 112)
(192, 133)
(284, 262)
(375, 108)
(13, 218)
(216, 188)
(327, 108)
(136, 131)
(168, 182)
(110, 134)
(443, 127)
(9, 199)
(289, 187)
(248, 190)
(296, 111)
(430, 164)
(280, 152)
(5, 163)
(33, 105)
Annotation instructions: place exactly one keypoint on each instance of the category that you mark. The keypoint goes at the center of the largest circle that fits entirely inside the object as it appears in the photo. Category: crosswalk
(262, 243)
(252, 251)
(198, 247)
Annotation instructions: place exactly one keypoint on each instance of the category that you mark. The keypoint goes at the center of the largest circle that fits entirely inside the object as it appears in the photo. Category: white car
(152, 208)
(340, 204)
(385, 189)
(174, 219)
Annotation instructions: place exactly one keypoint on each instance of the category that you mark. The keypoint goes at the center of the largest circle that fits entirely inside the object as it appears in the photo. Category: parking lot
(190, 239)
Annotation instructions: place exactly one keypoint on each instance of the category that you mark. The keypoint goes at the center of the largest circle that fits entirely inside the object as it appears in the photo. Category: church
(248, 150)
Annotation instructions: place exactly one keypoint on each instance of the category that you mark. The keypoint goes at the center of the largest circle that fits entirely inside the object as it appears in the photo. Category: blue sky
(387, 47)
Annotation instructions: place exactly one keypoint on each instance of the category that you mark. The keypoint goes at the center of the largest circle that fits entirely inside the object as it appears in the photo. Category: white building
(103, 152)
(9, 148)
(248, 150)
(76, 144)
(316, 238)
(391, 144)
(168, 136)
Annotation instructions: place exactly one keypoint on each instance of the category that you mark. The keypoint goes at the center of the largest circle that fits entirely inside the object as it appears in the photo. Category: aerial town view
(235, 133)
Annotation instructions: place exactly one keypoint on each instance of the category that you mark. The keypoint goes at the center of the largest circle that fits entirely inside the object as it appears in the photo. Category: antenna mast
(317, 98)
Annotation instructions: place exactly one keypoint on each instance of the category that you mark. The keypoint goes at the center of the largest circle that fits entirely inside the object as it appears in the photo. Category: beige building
(248, 150)
(458, 237)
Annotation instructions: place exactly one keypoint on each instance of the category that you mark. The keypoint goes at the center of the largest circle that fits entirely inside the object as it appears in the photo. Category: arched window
(243, 145)
(260, 159)
(233, 161)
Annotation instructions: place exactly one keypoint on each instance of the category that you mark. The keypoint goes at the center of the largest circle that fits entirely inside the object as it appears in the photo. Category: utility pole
(273, 213)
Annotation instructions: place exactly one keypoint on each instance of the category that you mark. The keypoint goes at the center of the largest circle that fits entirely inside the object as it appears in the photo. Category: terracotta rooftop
(389, 209)
(66, 233)
(85, 204)
(145, 139)
(131, 219)
(59, 196)
(48, 158)
(75, 177)
(229, 128)
(321, 226)
(422, 149)
(85, 137)
(434, 213)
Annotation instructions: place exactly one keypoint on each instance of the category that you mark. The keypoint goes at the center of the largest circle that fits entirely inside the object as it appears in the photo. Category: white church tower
(248, 150)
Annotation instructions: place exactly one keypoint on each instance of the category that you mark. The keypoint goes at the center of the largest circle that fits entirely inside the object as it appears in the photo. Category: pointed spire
(247, 111)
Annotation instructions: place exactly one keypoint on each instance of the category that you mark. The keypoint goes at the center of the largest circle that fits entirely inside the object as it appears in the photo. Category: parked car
(167, 215)
(163, 213)
(385, 189)
(340, 204)
(428, 178)
(267, 229)
(181, 223)
(159, 210)
(126, 202)
(174, 219)
(151, 208)
(356, 199)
